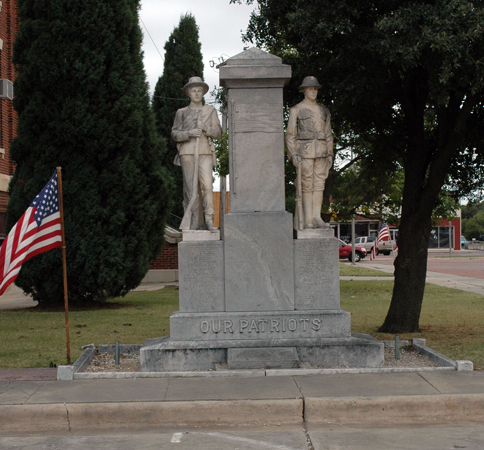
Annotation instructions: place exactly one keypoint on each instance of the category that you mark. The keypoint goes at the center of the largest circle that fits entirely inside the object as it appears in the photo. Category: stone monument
(258, 298)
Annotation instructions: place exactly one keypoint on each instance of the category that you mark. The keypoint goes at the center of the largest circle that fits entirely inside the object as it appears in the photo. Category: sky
(220, 29)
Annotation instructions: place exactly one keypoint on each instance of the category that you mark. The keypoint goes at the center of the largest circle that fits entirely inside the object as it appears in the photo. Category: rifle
(299, 205)
(187, 217)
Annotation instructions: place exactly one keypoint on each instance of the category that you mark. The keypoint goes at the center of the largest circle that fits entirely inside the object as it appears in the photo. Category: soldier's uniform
(187, 119)
(309, 136)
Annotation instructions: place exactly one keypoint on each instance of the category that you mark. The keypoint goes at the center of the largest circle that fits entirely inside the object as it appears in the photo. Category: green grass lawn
(349, 270)
(30, 338)
(452, 322)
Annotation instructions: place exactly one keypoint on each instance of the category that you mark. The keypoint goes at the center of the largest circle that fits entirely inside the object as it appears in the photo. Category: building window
(439, 237)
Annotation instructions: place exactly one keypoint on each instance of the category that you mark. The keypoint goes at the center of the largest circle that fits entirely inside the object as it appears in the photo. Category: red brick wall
(8, 117)
(168, 258)
(456, 223)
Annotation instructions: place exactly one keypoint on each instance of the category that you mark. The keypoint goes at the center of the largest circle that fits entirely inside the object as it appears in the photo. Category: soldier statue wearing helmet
(194, 128)
(309, 142)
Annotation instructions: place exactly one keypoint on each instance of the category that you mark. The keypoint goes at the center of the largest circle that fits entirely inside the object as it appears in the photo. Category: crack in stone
(67, 418)
(305, 428)
(423, 378)
(166, 391)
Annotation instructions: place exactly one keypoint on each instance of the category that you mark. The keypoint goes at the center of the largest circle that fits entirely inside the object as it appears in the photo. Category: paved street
(464, 263)
(464, 270)
(335, 438)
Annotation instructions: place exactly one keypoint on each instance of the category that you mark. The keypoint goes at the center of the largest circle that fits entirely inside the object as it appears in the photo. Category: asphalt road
(439, 437)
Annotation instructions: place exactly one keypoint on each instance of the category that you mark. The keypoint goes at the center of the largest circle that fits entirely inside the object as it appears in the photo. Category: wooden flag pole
(64, 265)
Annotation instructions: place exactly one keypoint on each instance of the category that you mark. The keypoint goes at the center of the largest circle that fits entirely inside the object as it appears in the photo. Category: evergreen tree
(183, 59)
(83, 104)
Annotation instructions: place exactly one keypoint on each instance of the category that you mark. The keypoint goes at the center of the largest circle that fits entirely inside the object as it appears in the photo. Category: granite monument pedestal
(258, 298)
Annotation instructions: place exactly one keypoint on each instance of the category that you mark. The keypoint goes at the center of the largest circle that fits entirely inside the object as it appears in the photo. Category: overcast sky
(220, 28)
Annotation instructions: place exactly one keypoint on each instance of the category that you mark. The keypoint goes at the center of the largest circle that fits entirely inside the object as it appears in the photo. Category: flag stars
(47, 202)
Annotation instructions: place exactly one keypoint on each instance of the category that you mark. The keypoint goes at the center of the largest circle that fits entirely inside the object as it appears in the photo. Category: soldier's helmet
(309, 82)
(193, 82)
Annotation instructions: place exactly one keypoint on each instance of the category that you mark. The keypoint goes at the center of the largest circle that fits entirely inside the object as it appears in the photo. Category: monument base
(264, 325)
(316, 233)
(166, 355)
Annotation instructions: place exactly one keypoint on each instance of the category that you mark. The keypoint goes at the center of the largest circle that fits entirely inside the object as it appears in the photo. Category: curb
(352, 411)
(43, 417)
(145, 415)
(381, 411)
(251, 373)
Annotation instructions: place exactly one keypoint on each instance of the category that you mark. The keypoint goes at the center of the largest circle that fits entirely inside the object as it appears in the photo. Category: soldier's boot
(307, 201)
(209, 223)
(317, 203)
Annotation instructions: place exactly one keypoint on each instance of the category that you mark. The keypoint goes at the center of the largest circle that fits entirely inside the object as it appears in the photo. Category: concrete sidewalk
(285, 401)
(14, 298)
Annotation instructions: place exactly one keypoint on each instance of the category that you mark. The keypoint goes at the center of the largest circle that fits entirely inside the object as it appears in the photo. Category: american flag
(383, 233)
(37, 231)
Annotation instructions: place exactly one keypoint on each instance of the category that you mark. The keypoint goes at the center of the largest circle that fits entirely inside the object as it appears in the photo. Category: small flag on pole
(37, 231)
(383, 233)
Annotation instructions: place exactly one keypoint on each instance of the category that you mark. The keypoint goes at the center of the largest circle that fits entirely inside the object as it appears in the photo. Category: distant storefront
(439, 236)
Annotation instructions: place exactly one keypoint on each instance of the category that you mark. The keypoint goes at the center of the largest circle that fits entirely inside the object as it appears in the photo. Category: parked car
(345, 251)
(386, 247)
(464, 243)
(367, 242)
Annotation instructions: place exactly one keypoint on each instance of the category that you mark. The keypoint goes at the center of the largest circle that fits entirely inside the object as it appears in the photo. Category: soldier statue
(309, 142)
(194, 128)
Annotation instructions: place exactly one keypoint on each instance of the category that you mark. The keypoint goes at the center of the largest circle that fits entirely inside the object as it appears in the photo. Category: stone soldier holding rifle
(194, 128)
(309, 142)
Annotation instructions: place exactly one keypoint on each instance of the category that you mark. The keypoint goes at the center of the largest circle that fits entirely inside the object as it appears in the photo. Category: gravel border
(414, 357)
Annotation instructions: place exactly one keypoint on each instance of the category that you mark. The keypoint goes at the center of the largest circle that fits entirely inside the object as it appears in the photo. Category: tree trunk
(410, 274)
(411, 263)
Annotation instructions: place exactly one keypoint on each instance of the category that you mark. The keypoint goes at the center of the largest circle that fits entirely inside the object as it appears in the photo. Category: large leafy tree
(473, 221)
(183, 60)
(408, 76)
(83, 104)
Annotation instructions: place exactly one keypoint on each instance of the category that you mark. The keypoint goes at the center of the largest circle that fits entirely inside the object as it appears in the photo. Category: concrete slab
(35, 374)
(18, 392)
(232, 388)
(179, 439)
(95, 391)
(408, 438)
(152, 285)
(363, 400)
(350, 385)
(456, 382)
(14, 298)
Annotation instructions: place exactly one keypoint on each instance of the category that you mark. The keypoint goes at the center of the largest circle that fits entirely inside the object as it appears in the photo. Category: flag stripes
(383, 234)
(37, 231)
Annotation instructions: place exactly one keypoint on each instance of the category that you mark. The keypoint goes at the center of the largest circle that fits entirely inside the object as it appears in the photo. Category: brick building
(165, 268)
(8, 117)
